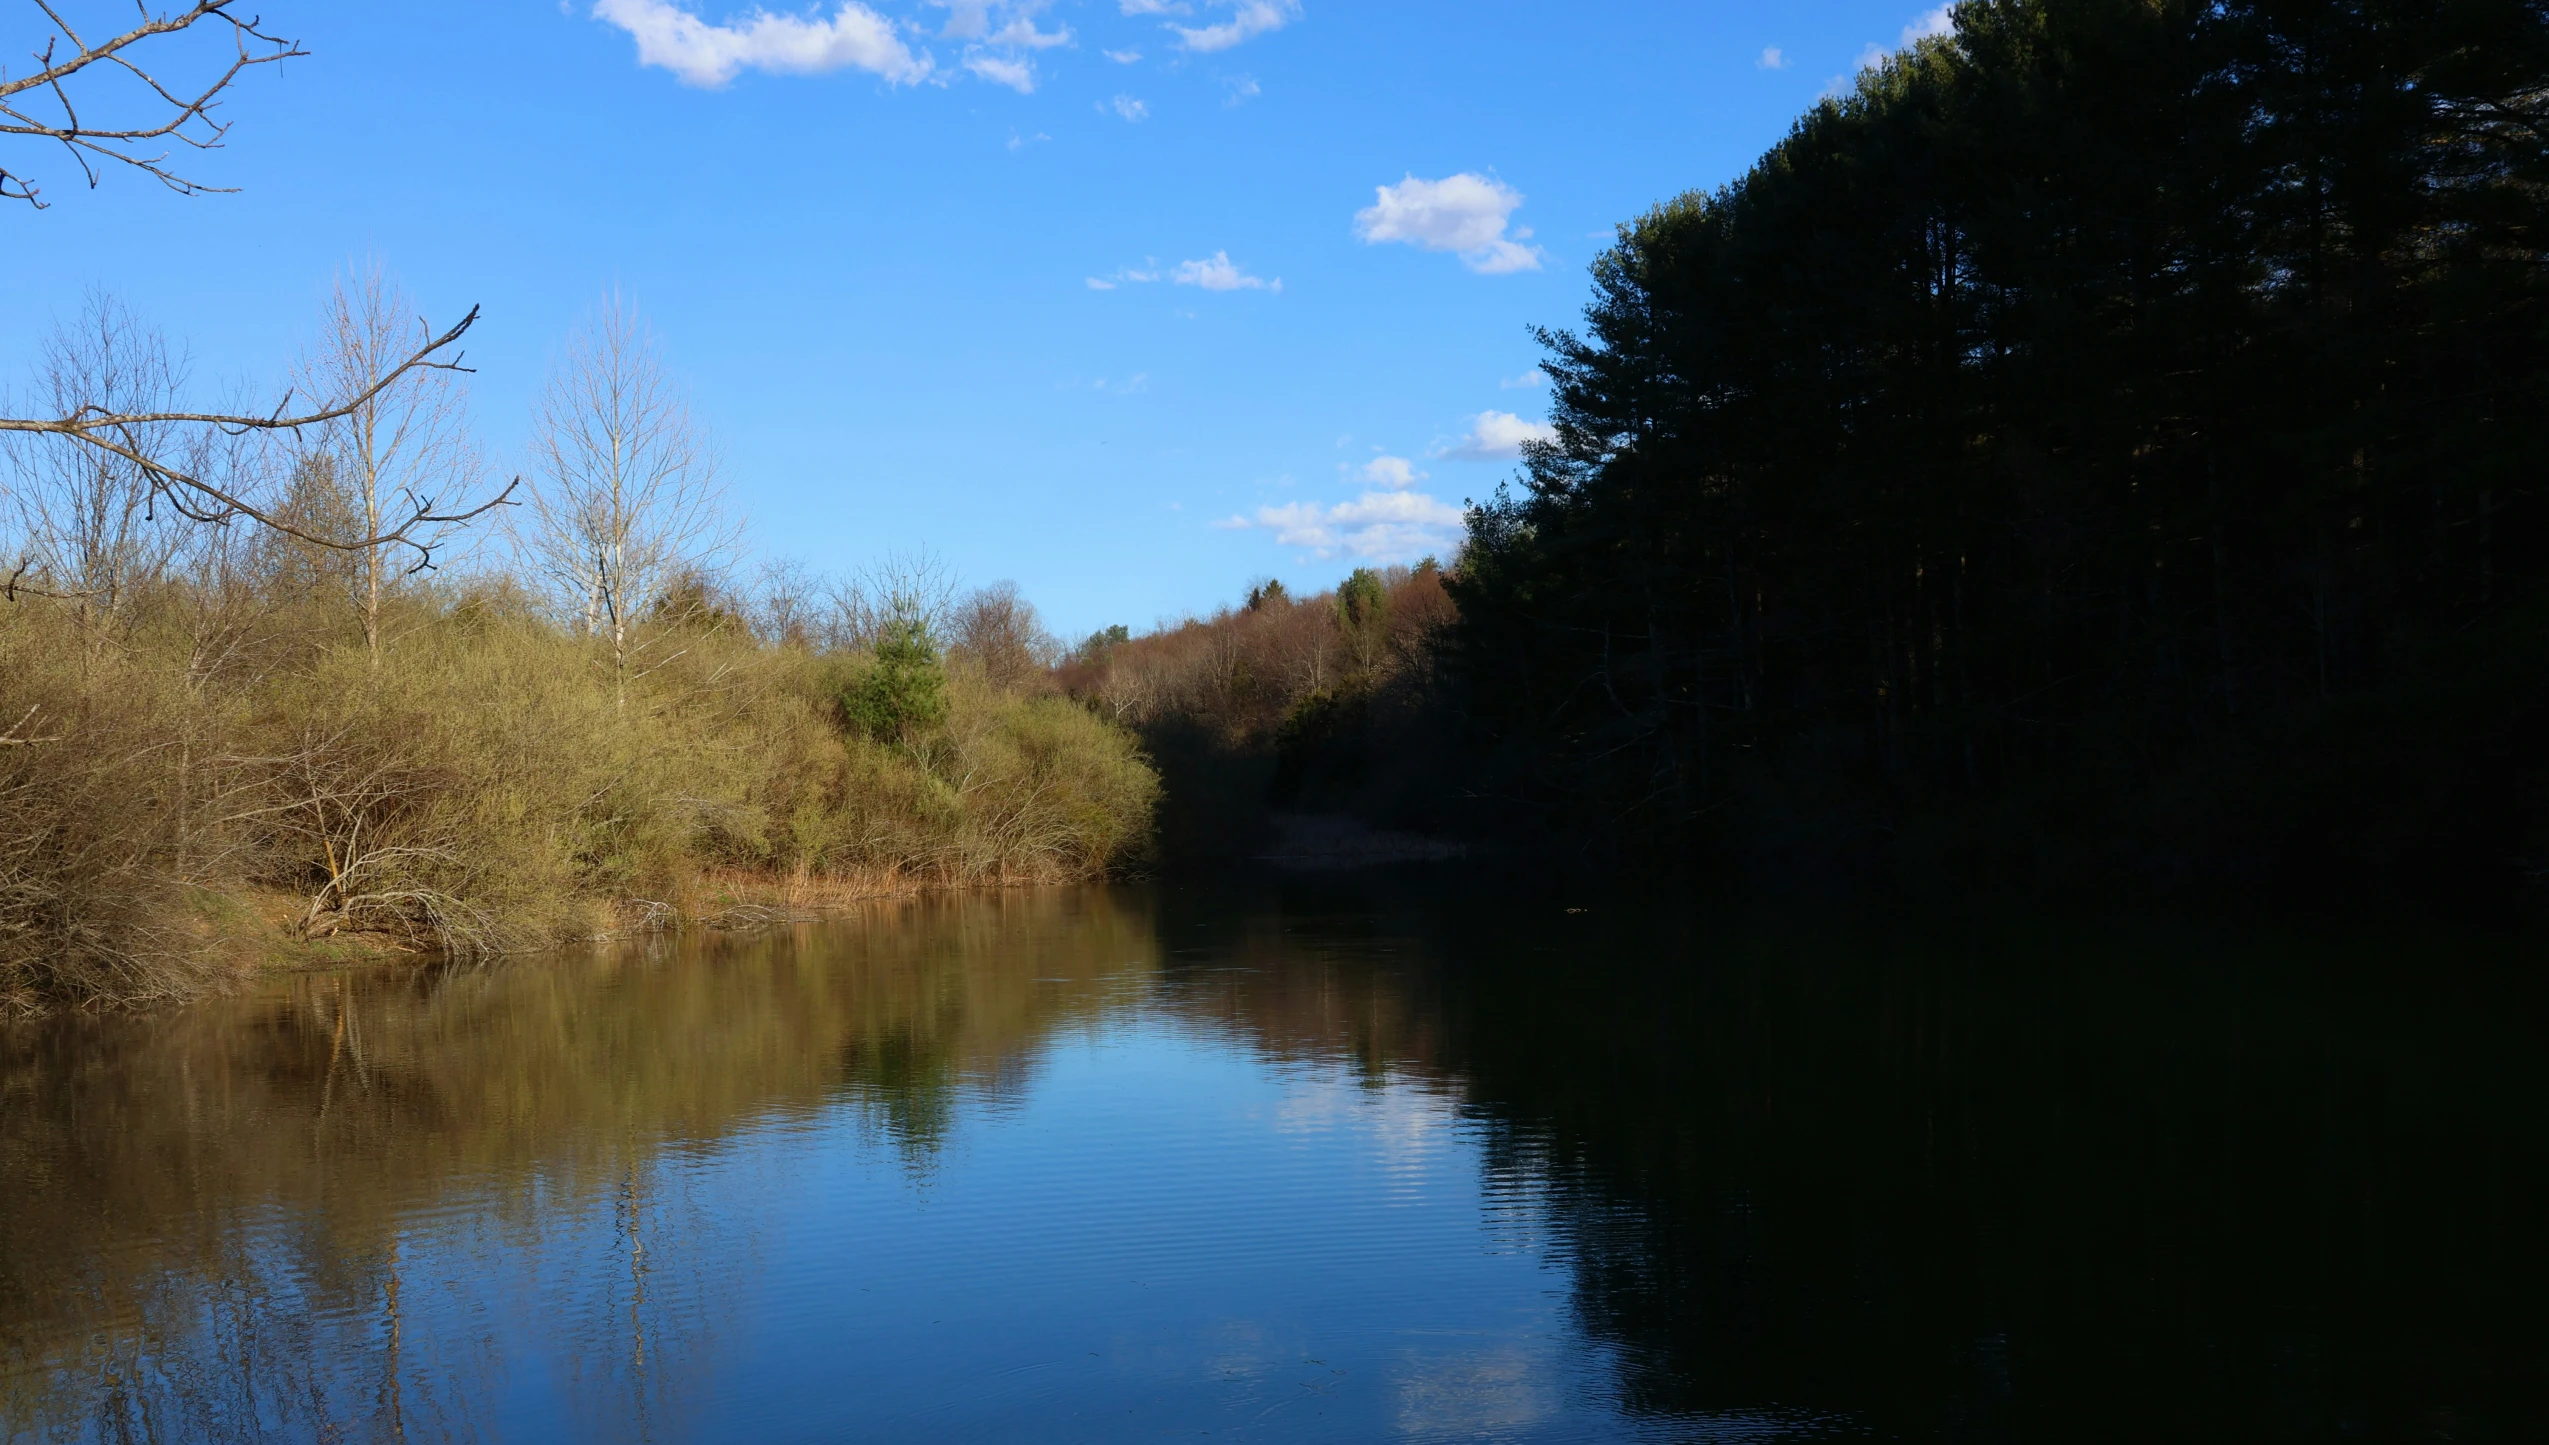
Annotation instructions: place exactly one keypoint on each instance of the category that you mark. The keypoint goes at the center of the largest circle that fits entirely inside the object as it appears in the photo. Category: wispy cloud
(1018, 75)
(1155, 7)
(1220, 273)
(1009, 23)
(1773, 58)
(1496, 436)
(1238, 90)
(1216, 272)
(1464, 214)
(1529, 380)
(699, 53)
(1252, 19)
(1123, 57)
(1127, 107)
(1375, 527)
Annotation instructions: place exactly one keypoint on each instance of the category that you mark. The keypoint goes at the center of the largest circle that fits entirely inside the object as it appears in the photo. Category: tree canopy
(2132, 410)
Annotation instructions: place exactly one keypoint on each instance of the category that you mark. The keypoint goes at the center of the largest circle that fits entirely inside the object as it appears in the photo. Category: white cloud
(1149, 271)
(1774, 58)
(1154, 7)
(1377, 526)
(1929, 23)
(1464, 214)
(1239, 89)
(698, 53)
(1122, 57)
(1021, 142)
(1018, 75)
(1529, 380)
(1496, 436)
(1396, 472)
(1022, 34)
(1127, 107)
(999, 55)
(1220, 273)
(1254, 18)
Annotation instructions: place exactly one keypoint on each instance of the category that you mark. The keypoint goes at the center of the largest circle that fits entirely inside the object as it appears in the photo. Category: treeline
(2110, 438)
(1320, 704)
(224, 734)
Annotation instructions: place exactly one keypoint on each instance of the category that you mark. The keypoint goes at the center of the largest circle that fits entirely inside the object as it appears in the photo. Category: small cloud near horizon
(1773, 58)
(1375, 527)
(1496, 436)
(1396, 473)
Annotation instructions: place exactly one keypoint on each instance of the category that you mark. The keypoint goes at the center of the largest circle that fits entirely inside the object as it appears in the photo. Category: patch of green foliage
(904, 694)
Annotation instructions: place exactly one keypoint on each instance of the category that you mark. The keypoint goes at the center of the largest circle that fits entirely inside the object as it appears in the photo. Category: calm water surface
(1320, 1162)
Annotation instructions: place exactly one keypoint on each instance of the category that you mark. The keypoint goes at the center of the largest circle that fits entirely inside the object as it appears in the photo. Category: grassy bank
(204, 773)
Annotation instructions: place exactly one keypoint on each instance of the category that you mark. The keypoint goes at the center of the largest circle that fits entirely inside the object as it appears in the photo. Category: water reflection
(1332, 1162)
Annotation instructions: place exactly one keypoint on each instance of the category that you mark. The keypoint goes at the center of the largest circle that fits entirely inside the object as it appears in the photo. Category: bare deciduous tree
(70, 61)
(165, 446)
(900, 589)
(997, 631)
(629, 502)
(85, 517)
(399, 441)
(784, 596)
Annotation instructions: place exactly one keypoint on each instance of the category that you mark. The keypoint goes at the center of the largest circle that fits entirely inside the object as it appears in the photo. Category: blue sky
(1129, 301)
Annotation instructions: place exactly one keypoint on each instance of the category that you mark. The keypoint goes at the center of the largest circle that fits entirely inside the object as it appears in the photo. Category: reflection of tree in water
(2023, 1186)
(224, 1221)
(2011, 1189)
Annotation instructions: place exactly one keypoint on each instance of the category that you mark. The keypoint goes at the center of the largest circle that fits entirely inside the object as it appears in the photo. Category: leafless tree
(899, 589)
(165, 447)
(786, 600)
(629, 502)
(401, 440)
(997, 631)
(40, 104)
(85, 518)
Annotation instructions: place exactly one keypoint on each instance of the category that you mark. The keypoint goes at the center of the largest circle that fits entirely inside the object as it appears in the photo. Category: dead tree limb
(181, 115)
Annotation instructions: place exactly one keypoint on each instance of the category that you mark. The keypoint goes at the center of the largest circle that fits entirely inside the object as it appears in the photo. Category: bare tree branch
(181, 116)
(122, 434)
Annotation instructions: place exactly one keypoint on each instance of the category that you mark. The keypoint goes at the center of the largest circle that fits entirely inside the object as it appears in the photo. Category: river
(1320, 1160)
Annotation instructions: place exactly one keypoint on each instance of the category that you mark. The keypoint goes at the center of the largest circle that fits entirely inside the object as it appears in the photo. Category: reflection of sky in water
(1148, 1226)
(1165, 1231)
(978, 1172)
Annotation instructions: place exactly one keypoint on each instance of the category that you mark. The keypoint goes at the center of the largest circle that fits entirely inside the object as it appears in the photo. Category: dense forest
(2109, 438)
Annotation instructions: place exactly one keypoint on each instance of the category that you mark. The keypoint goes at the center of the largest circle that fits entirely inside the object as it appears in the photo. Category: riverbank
(201, 783)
